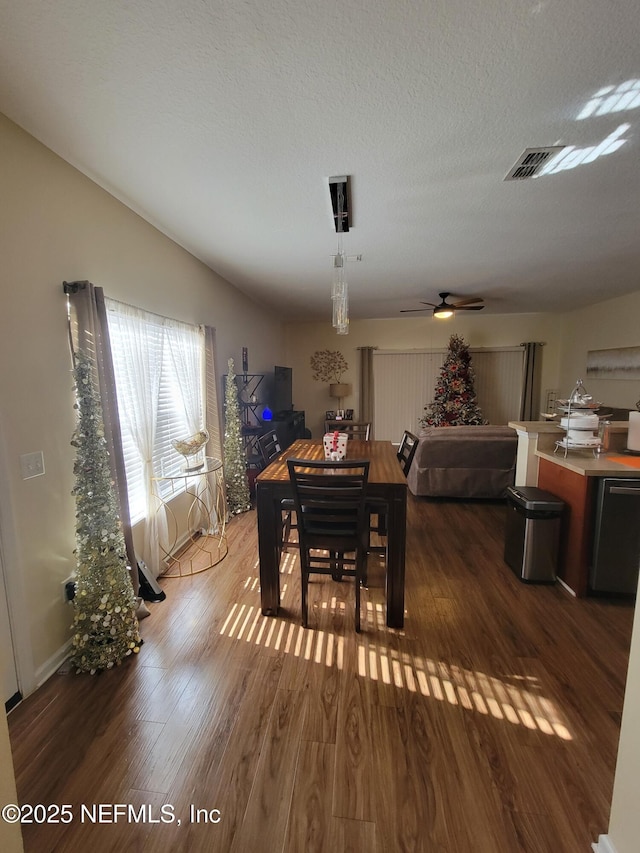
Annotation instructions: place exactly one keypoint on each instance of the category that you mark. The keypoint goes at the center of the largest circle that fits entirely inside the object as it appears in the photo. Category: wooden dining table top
(384, 467)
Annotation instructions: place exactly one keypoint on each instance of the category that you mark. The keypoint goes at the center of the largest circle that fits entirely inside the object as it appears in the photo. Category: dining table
(386, 481)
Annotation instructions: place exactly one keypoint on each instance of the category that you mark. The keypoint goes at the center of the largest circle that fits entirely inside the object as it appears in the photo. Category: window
(405, 382)
(159, 374)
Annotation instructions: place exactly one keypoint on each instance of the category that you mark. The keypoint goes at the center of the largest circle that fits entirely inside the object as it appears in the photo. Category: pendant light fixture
(340, 288)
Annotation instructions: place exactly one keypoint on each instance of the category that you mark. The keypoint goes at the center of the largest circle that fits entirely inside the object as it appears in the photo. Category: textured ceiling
(220, 123)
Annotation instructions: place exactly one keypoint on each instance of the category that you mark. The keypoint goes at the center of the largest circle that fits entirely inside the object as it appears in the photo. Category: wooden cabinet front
(576, 534)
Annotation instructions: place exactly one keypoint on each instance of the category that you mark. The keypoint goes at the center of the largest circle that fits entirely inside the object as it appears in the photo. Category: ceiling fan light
(443, 313)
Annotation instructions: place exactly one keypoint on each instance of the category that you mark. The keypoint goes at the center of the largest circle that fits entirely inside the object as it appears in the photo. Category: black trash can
(532, 533)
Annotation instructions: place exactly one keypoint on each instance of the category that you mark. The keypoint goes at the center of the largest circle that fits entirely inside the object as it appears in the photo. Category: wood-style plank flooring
(490, 723)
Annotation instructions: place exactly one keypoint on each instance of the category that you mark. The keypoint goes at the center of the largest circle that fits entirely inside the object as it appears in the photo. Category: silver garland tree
(235, 461)
(105, 624)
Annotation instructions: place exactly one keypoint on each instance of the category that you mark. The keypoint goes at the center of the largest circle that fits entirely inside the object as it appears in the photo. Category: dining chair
(356, 430)
(269, 445)
(407, 450)
(333, 527)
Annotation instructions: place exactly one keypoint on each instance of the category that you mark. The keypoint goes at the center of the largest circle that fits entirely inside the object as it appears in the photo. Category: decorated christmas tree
(454, 402)
(235, 461)
(105, 624)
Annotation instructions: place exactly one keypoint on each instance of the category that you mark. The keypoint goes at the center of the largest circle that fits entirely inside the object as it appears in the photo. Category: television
(282, 390)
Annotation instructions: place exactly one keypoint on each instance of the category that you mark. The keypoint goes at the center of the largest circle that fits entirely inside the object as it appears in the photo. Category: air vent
(531, 161)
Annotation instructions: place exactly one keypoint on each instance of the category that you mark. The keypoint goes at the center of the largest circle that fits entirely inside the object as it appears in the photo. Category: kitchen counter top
(617, 428)
(585, 463)
(540, 438)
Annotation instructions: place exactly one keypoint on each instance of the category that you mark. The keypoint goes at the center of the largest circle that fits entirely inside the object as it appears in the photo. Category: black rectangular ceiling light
(338, 188)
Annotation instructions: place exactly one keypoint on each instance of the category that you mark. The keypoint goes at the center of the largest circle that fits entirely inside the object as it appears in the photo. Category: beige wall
(55, 225)
(10, 834)
(610, 324)
(303, 339)
(624, 826)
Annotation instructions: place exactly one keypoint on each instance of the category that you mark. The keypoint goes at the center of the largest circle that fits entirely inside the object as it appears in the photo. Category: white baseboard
(603, 845)
(53, 664)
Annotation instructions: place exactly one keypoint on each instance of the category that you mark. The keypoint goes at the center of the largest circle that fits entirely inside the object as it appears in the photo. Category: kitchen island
(572, 478)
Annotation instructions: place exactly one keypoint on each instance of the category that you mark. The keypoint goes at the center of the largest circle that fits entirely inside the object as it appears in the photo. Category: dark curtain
(532, 371)
(89, 333)
(366, 386)
(212, 412)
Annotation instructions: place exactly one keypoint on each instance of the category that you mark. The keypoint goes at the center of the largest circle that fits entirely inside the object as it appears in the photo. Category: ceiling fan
(447, 309)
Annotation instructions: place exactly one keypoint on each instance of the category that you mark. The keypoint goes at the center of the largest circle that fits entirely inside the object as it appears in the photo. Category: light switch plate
(32, 465)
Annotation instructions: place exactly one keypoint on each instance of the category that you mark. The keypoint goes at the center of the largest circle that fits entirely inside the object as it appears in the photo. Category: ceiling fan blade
(431, 304)
(459, 307)
(472, 300)
(411, 310)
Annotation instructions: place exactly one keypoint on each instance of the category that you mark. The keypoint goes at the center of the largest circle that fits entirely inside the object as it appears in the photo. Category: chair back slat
(328, 493)
(357, 430)
(269, 445)
(407, 450)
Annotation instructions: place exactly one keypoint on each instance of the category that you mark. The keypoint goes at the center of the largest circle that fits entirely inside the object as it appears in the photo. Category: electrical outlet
(69, 589)
(32, 465)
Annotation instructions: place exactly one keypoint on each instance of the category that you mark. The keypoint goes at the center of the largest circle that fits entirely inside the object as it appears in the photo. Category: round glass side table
(206, 519)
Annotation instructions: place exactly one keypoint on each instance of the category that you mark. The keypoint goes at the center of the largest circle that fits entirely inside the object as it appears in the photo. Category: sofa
(613, 414)
(464, 462)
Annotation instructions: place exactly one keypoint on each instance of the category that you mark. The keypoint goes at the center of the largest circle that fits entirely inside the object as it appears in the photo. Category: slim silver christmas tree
(235, 461)
(105, 624)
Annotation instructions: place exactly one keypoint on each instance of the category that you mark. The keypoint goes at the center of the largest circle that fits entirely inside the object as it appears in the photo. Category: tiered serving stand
(580, 422)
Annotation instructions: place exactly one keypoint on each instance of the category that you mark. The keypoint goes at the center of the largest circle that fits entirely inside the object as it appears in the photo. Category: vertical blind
(405, 382)
(175, 354)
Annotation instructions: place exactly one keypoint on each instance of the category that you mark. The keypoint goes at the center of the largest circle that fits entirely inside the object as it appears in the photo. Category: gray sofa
(613, 413)
(464, 462)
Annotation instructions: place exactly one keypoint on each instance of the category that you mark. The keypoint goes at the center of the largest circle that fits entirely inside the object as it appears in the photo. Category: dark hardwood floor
(490, 724)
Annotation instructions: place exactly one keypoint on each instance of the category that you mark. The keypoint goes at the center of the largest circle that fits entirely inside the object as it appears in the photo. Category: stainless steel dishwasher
(616, 544)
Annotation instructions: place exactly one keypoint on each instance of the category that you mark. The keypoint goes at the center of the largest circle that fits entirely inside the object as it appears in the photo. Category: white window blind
(499, 376)
(157, 362)
(404, 383)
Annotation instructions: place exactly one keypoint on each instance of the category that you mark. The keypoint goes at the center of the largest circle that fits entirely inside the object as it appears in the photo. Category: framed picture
(348, 414)
(330, 416)
(620, 363)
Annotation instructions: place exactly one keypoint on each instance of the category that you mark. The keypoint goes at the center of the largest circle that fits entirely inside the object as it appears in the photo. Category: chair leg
(286, 530)
(304, 590)
(357, 603)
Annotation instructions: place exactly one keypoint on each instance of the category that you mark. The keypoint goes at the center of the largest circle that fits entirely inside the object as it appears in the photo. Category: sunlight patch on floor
(516, 700)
